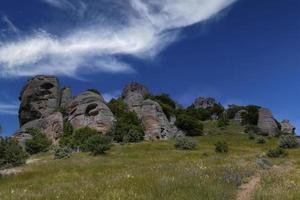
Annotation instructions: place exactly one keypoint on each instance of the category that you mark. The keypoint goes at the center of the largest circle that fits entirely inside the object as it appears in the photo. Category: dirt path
(246, 190)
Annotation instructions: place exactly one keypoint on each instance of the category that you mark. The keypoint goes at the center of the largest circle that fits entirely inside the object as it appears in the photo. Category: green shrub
(278, 152)
(38, 143)
(288, 142)
(261, 140)
(221, 147)
(66, 138)
(81, 137)
(264, 162)
(185, 143)
(11, 153)
(62, 153)
(128, 127)
(98, 144)
(190, 125)
(223, 122)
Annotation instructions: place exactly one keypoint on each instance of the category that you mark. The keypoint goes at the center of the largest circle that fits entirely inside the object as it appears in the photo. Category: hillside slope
(155, 170)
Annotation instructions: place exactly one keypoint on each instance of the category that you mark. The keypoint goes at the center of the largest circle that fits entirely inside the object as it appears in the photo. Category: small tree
(288, 142)
(221, 147)
(98, 144)
(38, 143)
(190, 125)
(185, 143)
(81, 136)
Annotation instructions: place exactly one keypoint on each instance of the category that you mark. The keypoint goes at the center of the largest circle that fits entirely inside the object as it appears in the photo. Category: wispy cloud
(144, 29)
(78, 7)
(10, 25)
(111, 95)
(9, 109)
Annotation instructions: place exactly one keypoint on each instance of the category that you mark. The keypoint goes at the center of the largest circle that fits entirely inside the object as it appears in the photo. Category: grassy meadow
(156, 170)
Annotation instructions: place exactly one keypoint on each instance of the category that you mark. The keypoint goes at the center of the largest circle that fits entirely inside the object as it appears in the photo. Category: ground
(155, 170)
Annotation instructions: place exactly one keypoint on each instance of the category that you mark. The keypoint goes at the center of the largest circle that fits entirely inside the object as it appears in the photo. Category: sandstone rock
(155, 123)
(52, 126)
(239, 115)
(39, 98)
(267, 123)
(66, 97)
(202, 102)
(287, 127)
(89, 109)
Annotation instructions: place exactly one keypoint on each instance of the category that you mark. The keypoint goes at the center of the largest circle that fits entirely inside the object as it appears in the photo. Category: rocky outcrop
(52, 126)
(155, 123)
(66, 97)
(287, 127)
(203, 103)
(39, 98)
(239, 115)
(89, 109)
(267, 123)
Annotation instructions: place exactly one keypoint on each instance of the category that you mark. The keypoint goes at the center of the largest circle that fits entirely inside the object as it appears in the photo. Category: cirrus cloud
(142, 31)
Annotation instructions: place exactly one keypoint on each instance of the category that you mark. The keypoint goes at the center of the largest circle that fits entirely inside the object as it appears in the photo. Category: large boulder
(155, 123)
(203, 103)
(267, 123)
(39, 98)
(287, 127)
(239, 115)
(66, 97)
(51, 126)
(89, 109)
(133, 95)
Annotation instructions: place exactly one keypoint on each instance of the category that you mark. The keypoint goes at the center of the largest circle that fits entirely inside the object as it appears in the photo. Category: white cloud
(149, 28)
(10, 109)
(111, 95)
(78, 7)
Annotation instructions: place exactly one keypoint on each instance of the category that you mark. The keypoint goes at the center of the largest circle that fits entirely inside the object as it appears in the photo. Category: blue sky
(238, 51)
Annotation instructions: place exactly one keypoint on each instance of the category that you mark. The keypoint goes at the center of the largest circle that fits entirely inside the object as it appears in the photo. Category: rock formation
(203, 103)
(239, 115)
(66, 97)
(39, 98)
(154, 120)
(287, 127)
(267, 123)
(89, 109)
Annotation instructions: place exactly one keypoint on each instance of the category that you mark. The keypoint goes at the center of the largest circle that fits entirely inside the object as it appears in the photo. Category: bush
(62, 153)
(261, 140)
(190, 125)
(223, 122)
(221, 147)
(66, 138)
(128, 127)
(185, 143)
(252, 129)
(81, 137)
(98, 144)
(11, 153)
(278, 152)
(288, 142)
(38, 143)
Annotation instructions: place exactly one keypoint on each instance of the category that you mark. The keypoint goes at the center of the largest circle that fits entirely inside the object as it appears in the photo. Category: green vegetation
(261, 140)
(190, 125)
(11, 154)
(62, 153)
(248, 118)
(221, 147)
(185, 143)
(38, 143)
(128, 127)
(81, 136)
(98, 144)
(277, 152)
(288, 142)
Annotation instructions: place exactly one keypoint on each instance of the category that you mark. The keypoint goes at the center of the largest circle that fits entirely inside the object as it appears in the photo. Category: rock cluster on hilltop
(203, 103)
(267, 123)
(287, 127)
(154, 121)
(42, 102)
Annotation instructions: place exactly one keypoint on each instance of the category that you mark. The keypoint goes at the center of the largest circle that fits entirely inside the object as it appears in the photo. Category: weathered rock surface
(202, 102)
(89, 109)
(239, 115)
(287, 127)
(39, 98)
(155, 123)
(52, 126)
(66, 97)
(267, 123)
